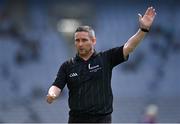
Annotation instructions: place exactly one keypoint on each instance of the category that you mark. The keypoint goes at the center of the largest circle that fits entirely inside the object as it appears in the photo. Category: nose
(80, 43)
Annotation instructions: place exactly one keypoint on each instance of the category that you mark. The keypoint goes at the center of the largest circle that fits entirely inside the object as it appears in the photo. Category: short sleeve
(61, 79)
(115, 56)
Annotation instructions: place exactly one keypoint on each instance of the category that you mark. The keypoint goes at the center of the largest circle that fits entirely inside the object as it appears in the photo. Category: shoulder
(111, 50)
(69, 62)
(115, 52)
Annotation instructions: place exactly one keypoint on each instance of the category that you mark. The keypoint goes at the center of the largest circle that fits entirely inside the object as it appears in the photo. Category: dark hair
(86, 29)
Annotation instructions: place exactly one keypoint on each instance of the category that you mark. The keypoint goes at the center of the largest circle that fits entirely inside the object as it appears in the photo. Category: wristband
(144, 30)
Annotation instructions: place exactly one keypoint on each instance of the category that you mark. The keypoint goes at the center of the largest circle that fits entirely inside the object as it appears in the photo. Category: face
(84, 43)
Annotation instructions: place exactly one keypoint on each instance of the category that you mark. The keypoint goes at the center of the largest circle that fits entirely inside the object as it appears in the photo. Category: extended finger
(140, 16)
(148, 11)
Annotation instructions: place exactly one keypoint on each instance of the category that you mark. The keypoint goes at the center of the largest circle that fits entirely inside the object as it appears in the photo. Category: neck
(86, 57)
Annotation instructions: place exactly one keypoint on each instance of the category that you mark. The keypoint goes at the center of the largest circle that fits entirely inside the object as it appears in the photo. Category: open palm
(148, 18)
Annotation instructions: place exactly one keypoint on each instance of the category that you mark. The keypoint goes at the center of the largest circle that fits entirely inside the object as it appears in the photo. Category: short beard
(87, 52)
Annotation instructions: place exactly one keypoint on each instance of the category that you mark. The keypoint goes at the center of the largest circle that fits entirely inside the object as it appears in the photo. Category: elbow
(127, 49)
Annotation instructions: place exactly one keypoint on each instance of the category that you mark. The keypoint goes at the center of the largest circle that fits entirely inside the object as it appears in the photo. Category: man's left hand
(148, 18)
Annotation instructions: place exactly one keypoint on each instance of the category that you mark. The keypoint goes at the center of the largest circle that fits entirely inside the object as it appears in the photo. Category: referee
(88, 74)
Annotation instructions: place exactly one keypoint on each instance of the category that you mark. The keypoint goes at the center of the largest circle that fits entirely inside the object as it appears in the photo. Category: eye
(84, 39)
(77, 40)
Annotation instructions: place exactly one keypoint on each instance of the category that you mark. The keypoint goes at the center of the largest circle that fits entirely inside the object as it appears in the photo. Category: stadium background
(36, 37)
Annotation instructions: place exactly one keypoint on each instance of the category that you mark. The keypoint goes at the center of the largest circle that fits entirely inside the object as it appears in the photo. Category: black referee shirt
(89, 82)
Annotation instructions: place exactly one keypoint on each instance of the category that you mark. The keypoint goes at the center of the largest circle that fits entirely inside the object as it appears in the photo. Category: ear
(94, 40)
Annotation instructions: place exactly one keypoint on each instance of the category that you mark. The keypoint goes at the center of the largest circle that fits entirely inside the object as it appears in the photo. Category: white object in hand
(52, 94)
(54, 91)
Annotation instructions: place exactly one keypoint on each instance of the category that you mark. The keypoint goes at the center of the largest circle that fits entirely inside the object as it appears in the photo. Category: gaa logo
(73, 75)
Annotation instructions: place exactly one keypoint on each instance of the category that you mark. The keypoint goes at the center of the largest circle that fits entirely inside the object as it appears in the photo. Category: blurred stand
(36, 37)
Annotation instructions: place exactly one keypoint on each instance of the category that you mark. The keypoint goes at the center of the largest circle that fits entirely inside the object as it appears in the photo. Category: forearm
(133, 41)
(53, 93)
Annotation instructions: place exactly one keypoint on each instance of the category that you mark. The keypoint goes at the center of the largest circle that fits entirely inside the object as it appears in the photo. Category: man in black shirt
(88, 74)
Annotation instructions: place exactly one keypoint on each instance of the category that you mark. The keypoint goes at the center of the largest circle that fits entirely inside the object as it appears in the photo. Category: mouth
(81, 49)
